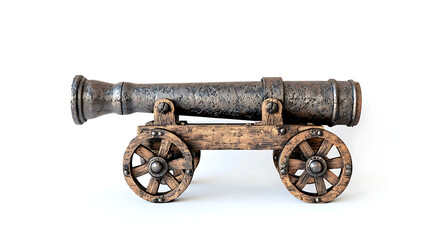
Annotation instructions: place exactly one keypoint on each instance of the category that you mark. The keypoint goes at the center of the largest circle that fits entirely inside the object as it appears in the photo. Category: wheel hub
(157, 167)
(316, 166)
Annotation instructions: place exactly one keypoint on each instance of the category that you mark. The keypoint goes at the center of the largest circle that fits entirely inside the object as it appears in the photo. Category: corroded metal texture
(318, 102)
(322, 103)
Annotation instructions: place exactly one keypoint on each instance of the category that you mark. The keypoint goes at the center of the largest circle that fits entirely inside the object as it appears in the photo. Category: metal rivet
(163, 108)
(272, 107)
(188, 172)
(348, 166)
(283, 171)
(155, 200)
(275, 158)
(283, 165)
(282, 130)
(126, 172)
(154, 134)
(319, 133)
(160, 133)
(160, 200)
(317, 200)
(348, 172)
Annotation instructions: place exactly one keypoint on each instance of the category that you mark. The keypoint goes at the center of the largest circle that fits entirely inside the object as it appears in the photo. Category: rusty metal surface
(322, 103)
(318, 102)
(219, 100)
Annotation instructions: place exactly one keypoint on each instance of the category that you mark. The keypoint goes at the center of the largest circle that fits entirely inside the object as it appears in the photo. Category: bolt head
(126, 172)
(154, 133)
(163, 108)
(319, 132)
(317, 200)
(155, 200)
(348, 172)
(160, 133)
(156, 167)
(316, 166)
(282, 130)
(283, 165)
(188, 172)
(348, 166)
(283, 171)
(272, 107)
(160, 200)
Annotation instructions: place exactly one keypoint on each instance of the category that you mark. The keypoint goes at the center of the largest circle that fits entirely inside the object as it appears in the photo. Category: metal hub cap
(316, 166)
(157, 167)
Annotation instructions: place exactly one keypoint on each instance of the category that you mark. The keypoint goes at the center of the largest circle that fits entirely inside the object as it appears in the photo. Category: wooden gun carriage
(160, 161)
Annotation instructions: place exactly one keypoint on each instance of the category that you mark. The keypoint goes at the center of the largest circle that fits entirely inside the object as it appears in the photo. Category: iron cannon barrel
(318, 102)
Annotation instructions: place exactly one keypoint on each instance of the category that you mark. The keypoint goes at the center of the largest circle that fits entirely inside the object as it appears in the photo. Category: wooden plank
(233, 136)
(166, 118)
(272, 118)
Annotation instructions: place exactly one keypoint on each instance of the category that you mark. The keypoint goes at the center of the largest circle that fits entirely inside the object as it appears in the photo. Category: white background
(62, 181)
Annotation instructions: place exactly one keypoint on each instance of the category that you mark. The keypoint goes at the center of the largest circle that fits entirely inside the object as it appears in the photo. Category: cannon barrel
(318, 102)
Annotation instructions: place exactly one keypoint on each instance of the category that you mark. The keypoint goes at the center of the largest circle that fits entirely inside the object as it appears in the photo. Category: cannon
(158, 165)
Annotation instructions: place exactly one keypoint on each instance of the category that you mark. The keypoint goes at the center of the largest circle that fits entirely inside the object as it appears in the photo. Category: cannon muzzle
(318, 102)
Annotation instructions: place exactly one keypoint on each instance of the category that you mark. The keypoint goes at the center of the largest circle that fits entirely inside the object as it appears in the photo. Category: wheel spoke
(320, 185)
(331, 177)
(139, 171)
(306, 149)
(179, 164)
(292, 171)
(335, 163)
(164, 148)
(145, 153)
(294, 179)
(179, 175)
(302, 180)
(152, 187)
(296, 164)
(324, 148)
(171, 181)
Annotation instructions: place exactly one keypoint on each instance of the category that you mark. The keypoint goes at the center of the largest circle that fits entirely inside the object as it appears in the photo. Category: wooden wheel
(297, 154)
(304, 161)
(180, 174)
(154, 146)
(145, 169)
